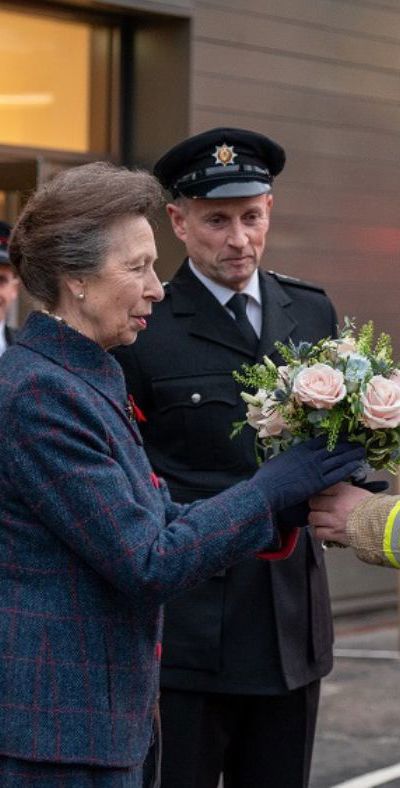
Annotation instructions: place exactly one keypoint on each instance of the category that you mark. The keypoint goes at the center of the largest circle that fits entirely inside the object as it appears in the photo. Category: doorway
(19, 177)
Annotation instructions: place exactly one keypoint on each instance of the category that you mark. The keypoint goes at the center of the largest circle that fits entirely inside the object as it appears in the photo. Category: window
(55, 83)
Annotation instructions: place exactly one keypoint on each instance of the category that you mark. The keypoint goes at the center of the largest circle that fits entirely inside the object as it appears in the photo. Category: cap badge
(224, 154)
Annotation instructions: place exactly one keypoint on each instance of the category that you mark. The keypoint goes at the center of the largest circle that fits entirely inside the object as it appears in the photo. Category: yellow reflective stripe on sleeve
(391, 536)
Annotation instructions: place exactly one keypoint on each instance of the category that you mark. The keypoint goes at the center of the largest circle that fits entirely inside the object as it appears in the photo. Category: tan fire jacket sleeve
(373, 528)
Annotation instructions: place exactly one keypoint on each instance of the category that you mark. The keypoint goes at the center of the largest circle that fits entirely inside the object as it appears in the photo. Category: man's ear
(177, 216)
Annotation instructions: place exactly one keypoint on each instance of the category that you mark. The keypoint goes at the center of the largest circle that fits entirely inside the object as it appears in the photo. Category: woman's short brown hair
(63, 229)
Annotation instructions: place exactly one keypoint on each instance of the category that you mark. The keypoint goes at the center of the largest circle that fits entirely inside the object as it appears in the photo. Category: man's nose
(237, 235)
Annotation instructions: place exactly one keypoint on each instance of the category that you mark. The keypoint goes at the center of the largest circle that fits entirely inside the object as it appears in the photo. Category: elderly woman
(91, 543)
(356, 518)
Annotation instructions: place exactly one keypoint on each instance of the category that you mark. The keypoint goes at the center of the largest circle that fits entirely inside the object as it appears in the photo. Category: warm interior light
(26, 99)
(44, 81)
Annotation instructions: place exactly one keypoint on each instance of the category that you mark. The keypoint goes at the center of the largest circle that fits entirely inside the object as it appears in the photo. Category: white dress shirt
(3, 343)
(224, 294)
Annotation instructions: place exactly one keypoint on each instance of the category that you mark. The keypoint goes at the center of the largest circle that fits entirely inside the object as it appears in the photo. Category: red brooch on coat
(133, 410)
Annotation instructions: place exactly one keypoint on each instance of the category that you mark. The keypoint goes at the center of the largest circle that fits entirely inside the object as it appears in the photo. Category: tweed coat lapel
(77, 354)
(278, 323)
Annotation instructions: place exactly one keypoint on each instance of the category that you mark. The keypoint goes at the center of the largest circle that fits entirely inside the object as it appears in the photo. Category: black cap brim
(225, 189)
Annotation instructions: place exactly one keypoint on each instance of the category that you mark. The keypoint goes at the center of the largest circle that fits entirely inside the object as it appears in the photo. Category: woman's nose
(154, 289)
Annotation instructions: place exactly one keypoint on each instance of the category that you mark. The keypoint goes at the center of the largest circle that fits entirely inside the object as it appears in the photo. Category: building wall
(322, 78)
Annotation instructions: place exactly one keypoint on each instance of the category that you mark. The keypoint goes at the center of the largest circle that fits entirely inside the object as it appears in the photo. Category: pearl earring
(81, 296)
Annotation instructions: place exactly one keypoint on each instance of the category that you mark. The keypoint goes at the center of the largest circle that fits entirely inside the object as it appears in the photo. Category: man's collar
(223, 294)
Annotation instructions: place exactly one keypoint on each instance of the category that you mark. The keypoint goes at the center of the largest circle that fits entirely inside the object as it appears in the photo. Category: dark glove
(293, 516)
(373, 487)
(305, 470)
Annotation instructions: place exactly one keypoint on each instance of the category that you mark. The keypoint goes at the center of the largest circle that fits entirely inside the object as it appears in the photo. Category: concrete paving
(359, 721)
(358, 732)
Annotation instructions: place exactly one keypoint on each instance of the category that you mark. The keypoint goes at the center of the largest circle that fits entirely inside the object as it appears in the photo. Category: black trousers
(255, 741)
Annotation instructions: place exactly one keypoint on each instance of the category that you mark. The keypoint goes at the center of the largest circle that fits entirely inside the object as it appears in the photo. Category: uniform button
(196, 398)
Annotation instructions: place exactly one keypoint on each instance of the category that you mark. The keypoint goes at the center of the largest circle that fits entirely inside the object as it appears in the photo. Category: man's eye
(215, 220)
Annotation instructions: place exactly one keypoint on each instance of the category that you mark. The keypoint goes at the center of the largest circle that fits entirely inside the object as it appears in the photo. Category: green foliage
(365, 339)
(285, 351)
(333, 425)
(257, 376)
(237, 428)
(384, 349)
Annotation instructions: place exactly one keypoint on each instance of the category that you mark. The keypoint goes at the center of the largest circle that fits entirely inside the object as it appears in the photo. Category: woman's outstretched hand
(306, 470)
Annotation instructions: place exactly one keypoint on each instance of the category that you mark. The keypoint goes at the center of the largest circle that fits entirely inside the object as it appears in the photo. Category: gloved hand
(306, 469)
(373, 487)
(297, 516)
(293, 516)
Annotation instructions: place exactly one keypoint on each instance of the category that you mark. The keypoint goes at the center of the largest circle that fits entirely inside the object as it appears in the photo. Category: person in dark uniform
(8, 288)
(245, 651)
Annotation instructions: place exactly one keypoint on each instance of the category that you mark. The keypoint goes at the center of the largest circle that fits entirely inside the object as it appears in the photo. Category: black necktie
(237, 304)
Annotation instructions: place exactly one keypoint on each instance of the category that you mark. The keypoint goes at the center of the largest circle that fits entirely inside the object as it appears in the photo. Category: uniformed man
(243, 653)
(8, 288)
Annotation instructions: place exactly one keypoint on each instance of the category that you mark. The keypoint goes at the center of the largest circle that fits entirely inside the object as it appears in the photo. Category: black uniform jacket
(259, 627)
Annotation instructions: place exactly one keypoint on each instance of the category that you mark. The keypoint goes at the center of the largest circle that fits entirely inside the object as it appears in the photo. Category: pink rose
(381, 403)
(319, 386)
(345, 347)
(264, 416)
(271, 421)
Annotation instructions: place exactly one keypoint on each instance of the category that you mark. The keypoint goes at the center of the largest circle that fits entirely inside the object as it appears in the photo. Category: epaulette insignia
(292, 280)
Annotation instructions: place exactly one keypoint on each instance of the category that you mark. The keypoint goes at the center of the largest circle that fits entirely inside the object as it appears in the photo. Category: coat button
(196, 398)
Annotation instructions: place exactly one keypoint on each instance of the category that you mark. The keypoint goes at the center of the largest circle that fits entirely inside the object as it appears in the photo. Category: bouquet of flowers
(348, 386)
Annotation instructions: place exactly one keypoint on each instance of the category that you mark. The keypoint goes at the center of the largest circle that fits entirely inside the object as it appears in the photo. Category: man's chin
(239, 279)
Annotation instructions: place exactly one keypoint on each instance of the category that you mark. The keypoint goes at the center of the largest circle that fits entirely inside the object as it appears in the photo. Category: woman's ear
(75, 287)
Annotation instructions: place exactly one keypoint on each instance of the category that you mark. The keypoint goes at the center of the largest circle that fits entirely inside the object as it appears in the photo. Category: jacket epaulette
(292, 280)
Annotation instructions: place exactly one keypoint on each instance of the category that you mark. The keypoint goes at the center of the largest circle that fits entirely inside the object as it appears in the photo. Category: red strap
(289, 541)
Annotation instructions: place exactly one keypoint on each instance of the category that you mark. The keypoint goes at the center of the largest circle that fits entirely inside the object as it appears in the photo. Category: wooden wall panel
(366, 19)
(305, 105)
(233, 28)
(283, 68)
(322, 78)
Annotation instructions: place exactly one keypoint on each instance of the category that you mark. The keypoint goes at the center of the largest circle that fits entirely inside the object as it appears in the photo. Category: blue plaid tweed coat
(91, 546)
